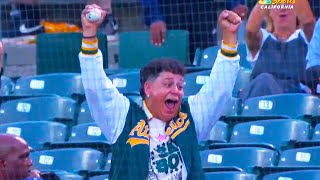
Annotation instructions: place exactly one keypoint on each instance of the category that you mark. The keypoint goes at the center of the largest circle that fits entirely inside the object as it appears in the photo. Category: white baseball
(94, 15)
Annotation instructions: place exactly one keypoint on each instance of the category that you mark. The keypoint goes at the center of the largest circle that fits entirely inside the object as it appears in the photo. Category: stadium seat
(135, 98)
(194, 81)
(316, 134)
(46, 108)
(108, 162)
(219, 132)
(72, 160)
(300, 157)
(295, 106)
(37, 133)
(133, 56)
(86, 132)
(209, 56)
(280, 133)
(127, 83)
(59, 52)
(294, 175)
(84, 114)
(62, 84)
(86, 135)
(242, 80)
(7, 86)
(290, 105)
(245, 158)
(229, 176)
(106, 169)
(100, 177)
(63, 175)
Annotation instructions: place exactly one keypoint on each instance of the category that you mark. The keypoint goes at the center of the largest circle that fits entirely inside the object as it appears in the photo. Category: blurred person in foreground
(15, 163)
(278, 53)
(158, 140)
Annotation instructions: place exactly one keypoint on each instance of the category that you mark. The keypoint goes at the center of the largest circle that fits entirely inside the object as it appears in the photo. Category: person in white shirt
(160, 139)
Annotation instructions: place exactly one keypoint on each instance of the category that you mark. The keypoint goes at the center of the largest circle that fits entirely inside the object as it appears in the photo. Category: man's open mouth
(171, 103)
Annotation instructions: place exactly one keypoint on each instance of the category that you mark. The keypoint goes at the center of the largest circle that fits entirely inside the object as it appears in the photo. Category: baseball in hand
(94, 15)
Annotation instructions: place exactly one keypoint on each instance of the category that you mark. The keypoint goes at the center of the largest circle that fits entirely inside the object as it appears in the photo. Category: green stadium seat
(59, 52)
(194, 81)
(242, 81)
(84, 114)
(86, 132)
(300, 157)
(62, 84)
(46, 108)
(316, 134)
(86, 135)
(107, 166)
(63, 175)
(37, 133)
(7, 86)
(290, 105)
(245, 158)
(136, 49)
(280, 106)
(209, 56)
(279, 133)
(294, 175)
(127, 83)
(229, 176)
(219, 132)
(135, 98)
(72, 160)
(100, 177)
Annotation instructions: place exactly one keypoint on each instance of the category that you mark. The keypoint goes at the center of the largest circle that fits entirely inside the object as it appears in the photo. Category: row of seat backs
(70, 84)
(267, 133)
(253, 160)
(62, 56)
(220, 175)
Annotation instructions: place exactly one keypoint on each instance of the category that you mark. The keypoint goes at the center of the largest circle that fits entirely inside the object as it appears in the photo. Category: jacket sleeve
(108, 107)
(210, 103)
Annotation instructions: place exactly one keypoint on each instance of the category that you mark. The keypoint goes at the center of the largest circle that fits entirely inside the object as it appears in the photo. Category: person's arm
(305, 17)
(313, 54)
(253, 32)
(209, 104)
(154, 18)
(108, 107)
(152, 11)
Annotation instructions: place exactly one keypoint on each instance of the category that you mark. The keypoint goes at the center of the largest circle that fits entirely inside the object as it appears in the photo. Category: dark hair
(152, 70)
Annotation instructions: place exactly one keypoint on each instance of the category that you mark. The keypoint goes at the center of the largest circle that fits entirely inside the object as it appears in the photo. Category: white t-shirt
(166, 162)
(266, 34)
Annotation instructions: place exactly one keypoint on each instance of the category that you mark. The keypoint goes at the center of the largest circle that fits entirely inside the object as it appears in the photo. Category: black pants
(266, 84)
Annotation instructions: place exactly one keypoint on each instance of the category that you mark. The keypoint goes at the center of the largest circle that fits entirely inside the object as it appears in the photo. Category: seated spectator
(15, 163)
(278, 53)
(313, 61)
